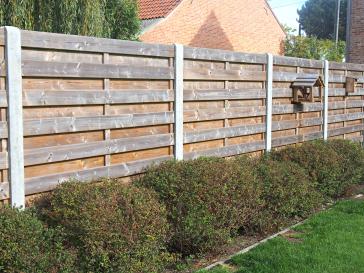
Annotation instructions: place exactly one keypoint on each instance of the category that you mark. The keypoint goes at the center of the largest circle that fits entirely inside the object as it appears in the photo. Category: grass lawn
(330, 242)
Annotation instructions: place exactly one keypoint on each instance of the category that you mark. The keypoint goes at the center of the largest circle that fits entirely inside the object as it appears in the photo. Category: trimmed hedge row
(113, 228)
(179, 208)
(207, 200)
(28, 246)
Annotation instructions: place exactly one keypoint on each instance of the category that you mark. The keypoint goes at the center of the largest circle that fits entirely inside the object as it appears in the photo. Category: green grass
(330, 242)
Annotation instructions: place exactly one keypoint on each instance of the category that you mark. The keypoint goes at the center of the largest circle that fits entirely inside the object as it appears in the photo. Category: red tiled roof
(149, 9)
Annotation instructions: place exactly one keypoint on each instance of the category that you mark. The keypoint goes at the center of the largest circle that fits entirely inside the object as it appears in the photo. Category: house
(355, 32)
(239, 25)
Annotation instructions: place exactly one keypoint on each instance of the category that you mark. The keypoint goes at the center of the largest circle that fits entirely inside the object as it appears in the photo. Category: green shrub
(207, 200)
(351, 159)
(287, 193)
(28, 246)
(115, 228)
(321, 162)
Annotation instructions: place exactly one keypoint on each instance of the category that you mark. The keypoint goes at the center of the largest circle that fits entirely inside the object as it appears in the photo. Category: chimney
(355, 32)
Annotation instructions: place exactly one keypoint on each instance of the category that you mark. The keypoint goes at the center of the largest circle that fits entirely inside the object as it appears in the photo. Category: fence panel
(97, 107)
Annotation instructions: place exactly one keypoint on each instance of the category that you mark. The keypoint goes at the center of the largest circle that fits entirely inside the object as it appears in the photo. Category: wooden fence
(94, 107)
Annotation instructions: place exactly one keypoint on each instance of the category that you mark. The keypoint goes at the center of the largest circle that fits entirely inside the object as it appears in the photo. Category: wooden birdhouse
(350, 85)
(304, 89)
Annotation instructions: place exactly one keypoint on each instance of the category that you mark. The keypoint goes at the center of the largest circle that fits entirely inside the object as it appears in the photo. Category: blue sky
(286, 11)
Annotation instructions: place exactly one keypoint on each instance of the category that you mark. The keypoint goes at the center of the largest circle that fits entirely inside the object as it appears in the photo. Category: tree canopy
(318, 17)
(313, 48)
(101, 18)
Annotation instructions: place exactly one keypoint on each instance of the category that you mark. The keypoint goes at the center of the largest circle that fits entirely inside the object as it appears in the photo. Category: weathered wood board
(98, 107)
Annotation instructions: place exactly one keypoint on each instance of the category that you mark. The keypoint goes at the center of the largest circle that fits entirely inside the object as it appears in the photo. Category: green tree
(313, 48)
(101, 18)
(318, 17)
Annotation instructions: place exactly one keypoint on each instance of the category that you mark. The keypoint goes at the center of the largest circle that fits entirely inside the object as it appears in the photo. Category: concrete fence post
(326, 100)
(269, 103)
(15, 115)
(178, 102)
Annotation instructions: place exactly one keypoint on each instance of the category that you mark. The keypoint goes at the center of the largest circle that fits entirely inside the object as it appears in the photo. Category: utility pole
(300, 30)
(337, 24)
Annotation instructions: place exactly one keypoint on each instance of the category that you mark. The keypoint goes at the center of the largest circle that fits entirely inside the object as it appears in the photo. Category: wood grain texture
(58, 125)
(87, 70)
(222, 55)
(46, 183)
(72, 98)
(91, 44)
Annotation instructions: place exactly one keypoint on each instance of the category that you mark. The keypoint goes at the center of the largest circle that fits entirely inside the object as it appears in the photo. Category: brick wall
(239, 25)
(356, 33)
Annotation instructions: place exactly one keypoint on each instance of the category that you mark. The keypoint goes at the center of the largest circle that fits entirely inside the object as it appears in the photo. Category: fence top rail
(76, 43)
(300, 62)
(346, 66)
(209, 54)
(56, 41)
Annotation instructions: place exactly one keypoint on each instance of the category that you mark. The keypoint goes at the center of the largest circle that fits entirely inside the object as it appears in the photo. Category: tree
(313, 48)
(318, 17)
(101, 18)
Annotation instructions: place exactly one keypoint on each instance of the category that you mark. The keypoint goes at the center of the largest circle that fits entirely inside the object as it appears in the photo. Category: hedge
(176, 209)
(115, 228)
(332, 165)
(207, 200)
(26, 245)
(287, 193)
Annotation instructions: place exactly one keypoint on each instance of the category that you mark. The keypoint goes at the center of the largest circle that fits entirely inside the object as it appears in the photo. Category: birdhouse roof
(308, 81)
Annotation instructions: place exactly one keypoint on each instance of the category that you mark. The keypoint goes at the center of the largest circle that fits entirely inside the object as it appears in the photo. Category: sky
(286, 11)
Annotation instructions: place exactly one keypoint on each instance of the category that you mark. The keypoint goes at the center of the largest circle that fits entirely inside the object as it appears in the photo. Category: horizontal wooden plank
(340, 92)
(248, 111)
(234, 94)
(97, 97)
(292, 61)
(346, 104)
(87, 70)
(342, 79)
(296, 108)
(209, 54)
(252, 146)
(223, 94)
(222, 113)
(46, 183)
(92, 44)
(346, 66)
(345, 130)
(228, 150)
(307, 122)
(287, 140)
(346, 117)
(33, 127)
(85, 150)
(84, 97)
(222, 74)
(249, 129)
(218, 133)
(290, 76)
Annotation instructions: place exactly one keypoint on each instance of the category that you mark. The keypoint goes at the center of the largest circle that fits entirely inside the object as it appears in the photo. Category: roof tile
(149, 9)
